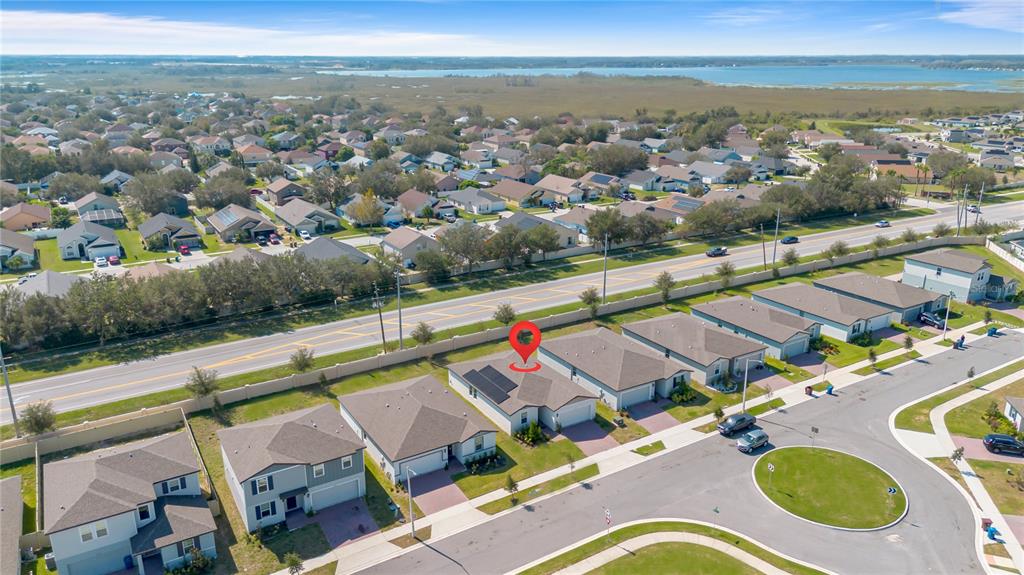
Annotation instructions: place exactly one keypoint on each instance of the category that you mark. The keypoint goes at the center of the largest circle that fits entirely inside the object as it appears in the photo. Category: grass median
(551, 486)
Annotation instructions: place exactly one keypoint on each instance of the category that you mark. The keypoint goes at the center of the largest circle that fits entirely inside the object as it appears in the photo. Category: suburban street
(101, 385)
(710, 481)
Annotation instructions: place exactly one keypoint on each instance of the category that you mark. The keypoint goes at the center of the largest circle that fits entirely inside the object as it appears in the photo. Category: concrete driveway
(589, 437)
(651, 416)
(975, 449)
(436, 491)
(342, 523)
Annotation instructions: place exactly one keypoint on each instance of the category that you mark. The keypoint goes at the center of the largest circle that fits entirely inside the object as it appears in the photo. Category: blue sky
(523, 28)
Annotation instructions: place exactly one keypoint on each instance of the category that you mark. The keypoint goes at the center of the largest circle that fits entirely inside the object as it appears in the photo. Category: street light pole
(775, 242)
(408, 486)
(945, 323)
(981, 195)
(398, 288)
(764, 251)
(604, 281)
(380, 316)
(746, 370)
(10, 396)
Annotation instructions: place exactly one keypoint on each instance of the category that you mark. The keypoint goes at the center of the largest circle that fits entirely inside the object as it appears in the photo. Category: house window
(478, 443)
(143, 512)
(472, 392)
(101, 529)
(938, 271)
(573, 373)
(346, 462)
(85, 533)
(718, 369)
(186, 547)
(263, 510)
(318, 470)
(856, 328)
(262, 485)
(522, 417)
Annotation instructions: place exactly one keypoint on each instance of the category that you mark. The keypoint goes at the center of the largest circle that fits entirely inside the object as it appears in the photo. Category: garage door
(576, 413)
(636, 395)
(425, 464)
(796, 347)
(335, 494)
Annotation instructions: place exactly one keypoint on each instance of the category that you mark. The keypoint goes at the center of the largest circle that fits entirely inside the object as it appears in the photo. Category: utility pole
(746, 370)
(408, 486)
(604, 281)
(10, 396)
(398, 289)
(945, 323)
(775, 242)
(764, 250)
(380, 315)
(977, 214)
(959, 210)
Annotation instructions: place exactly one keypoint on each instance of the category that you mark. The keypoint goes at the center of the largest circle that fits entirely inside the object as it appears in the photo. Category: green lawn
(917, 333)
(887, 363)
(1000, 481)
(964, 314)
(650, 448)
(967, 420)
(787, 370)
(37, 567)
(27, 470)
(386, 502)
(829, 487)
(606, 417)
(328, 569)
(915, 417)
(550, 486)
(767, 406)
(134, 251)
(617, 536)
(521, 461)
(706, 401)
(850, 353)
(49, 258)
(676, 558)
(949, 468)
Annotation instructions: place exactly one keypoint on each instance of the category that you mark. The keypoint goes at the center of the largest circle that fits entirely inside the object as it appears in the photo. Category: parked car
(114, 260)
(882, 224)
(737, 422)
(62, 200)
(305, 235)
(261, 241)
(255, 191)
(275, 239)
(999, 443)
(100, 262)
(717, 252)
(393, 225)
(790, 240)
(450, 218)
(752, 440)
(184, 250)
(931, 319)
(974, 209)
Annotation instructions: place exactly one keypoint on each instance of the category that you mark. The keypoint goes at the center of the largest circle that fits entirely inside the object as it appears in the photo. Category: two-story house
(302, 462)
(963, 275)
(134, 506)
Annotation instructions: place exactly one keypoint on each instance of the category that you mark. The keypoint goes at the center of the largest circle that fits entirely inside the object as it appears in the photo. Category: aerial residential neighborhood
(494, 288)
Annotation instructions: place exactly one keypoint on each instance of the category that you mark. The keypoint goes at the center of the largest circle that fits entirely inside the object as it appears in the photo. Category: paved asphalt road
(105, 384)
(937, 535)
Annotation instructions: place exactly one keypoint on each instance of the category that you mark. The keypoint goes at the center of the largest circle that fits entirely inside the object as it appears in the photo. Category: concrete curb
(906, 496)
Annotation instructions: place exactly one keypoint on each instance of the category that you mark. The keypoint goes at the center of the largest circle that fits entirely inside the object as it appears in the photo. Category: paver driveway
(436, 491)
(651, 416)
(589, 437)
(975, 449)
(342, 523)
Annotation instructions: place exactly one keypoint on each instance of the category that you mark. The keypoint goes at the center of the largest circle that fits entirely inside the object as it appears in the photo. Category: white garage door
(334, 494)
(635, 395)
(425, 463)
(576, 413)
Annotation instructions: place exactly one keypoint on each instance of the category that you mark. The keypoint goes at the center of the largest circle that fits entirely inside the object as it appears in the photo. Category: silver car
(752, 440)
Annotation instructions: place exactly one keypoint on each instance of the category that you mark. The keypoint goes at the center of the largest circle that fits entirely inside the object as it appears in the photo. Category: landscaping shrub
(682, 394)
(531, 435)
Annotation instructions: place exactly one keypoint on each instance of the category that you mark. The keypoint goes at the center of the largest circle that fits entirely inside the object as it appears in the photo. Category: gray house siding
(964, 286)
(98, 556)
(796, 345)
(705, 374)
(174, 556)
(832, 328)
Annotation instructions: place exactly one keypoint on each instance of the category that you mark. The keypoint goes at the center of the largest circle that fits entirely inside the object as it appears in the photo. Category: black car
(999, 443)
(790, 240)
(717, 252)
(930, 319)
(735, 423)
(261, 241)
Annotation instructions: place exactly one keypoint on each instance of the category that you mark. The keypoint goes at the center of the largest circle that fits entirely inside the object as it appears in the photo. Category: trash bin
(992, 331)
(985, 523)
(809, 390)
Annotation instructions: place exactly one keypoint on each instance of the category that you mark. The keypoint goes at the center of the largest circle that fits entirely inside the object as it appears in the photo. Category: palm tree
(923, 177)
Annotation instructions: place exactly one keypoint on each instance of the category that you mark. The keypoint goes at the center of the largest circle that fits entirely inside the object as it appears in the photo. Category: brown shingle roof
(34, 210)
(11, 508)
(178, 517)
(757, 318)
(542, 388)
(952, 259)
(693, 338)
(839, 308)
(884, 291)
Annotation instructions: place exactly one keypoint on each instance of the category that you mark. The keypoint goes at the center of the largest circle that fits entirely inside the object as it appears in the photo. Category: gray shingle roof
(103, 234)
(160, 221)
(324, 248)
(111, 481)
(757, 318)
(404, 236)
(20, 242)
(884, 291)
(304, 437)
(244, 254)
(297, 210)
(11, 509)
(413, 417)
(839, 308)
(542, 388)
(951, 259)
(50, 283)
(178, 517)
(615, 361)
(693, 338)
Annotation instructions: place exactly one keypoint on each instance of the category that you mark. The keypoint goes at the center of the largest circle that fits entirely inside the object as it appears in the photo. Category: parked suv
(999, 443)
(751, 441)
(930, 319)
(735, 423)
(717, 252)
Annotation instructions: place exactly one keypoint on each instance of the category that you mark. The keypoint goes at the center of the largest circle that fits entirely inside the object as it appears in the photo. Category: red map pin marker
(524, 349)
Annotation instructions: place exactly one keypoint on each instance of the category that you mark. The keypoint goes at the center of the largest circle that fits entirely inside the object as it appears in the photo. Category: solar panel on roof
(226, 216)
(688, 204)
(491, 383)
(601, 179)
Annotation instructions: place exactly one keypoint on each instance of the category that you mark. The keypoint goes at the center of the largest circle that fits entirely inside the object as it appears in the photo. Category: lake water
(858, 76)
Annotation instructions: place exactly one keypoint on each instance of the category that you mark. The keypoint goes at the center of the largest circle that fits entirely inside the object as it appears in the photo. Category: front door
(291, 502)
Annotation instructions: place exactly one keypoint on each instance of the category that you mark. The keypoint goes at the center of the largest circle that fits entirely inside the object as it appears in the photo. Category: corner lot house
(169, 231)
(302, 216)
(513, 399)
(326, 248)
(233, 221)
(25, 216)
(134, 506)
(302, 461)
(785, 334)
(476, 201)
(15, 245)
(282, 190)
(417, 424)
(406, 242)
(711, 352)
(840, 316)
(567, 237)
(11, 509)
(621, 372)
(86, 240)
(966, 276)
(908, 301)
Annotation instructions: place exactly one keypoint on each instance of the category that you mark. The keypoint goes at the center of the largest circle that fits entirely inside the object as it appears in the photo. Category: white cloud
(62, 33)
(744, 16)
(1007, 15)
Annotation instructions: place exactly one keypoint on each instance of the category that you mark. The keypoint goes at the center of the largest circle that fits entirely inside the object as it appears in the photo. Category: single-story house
(621, 372)
(287, 140)
(12, 506)
(413, 202)
(513, 400)
(96, 201)
(521, 193)
(1014, 411)
(406, 242)
(15, 245)
(630, 209)
(906, 300)
(518, 172)
(786, 335)
(963, 275)
(116, 179)
(709, 173)
(326, 248)
(713, 353)
(646, 181)
(418, 425)
(233, 221)
(576, 218)
(840, 316)
(86, 240)
(441, 161)
(49, 283)
(25, 216)
(391, 213)
(172, 232)
(109, 218)
(304, 461)
(137, 505)
(476, 201)
(254, 155)
(563, 189)
(244, 254)
(602, 183)
(567, 237)
(478, 158)
(281, 190)
(300, 215)
(159, 160)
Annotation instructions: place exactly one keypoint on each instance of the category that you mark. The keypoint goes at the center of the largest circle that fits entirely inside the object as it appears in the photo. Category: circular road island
(830, 488)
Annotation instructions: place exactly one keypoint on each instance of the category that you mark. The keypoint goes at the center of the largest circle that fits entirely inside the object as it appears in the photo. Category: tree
(909, 236)
(423, 334)
(718, 413)
(695, 189)
(38, 417)
(790, 257)
(201, 383)
(329, 188)
(72, 186)
(737, 174)
(592, 299)
(617, 160)
(269, 170)
(508, 245)
(512, 487)
(223, 190)
(466, 243)
(504, 314)
(60, 217)
(908, 343)
(293, 562)
(838, 249)
(378, 150)
(433, 264)
(302, 359)
(988, 316)
(543, 239)
(152, 194)
(608, 223)
(872, 356)
(725, 272)
(645, 228)
(941, 229)
(664, 282)
(829, 151)
(715, 218)
(366, 210)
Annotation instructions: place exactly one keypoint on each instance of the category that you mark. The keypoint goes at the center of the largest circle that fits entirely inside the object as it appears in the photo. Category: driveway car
(999, 443)
(737, 422)
(882, 224)
(752, 440)
(100, 262)
(930, 319)
(974, 209)
(717, 252)
(305, 235)
(114, 260)
(184, 250)
(261, 241)
(790, 240)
